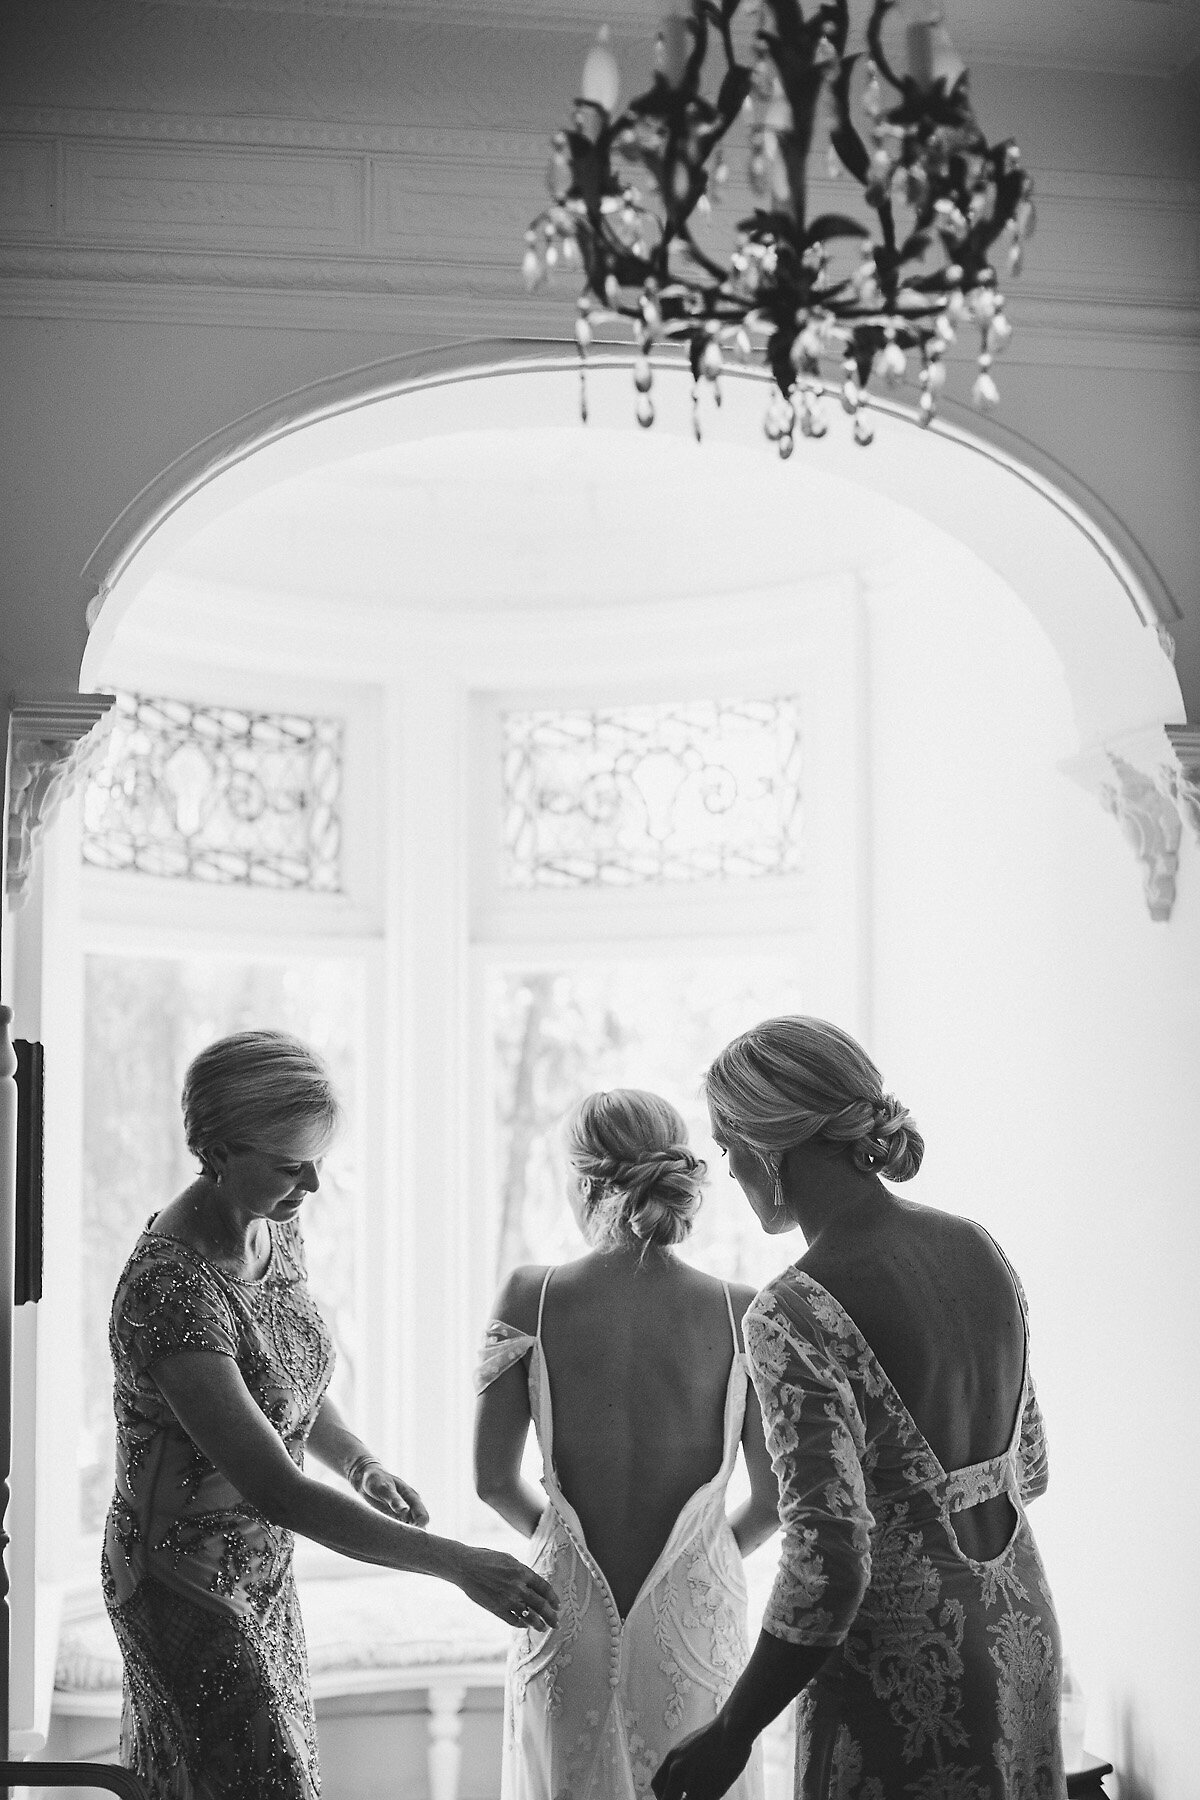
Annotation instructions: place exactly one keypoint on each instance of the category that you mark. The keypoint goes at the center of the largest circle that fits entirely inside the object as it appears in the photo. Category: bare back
(639, 1359)
(936, 1302)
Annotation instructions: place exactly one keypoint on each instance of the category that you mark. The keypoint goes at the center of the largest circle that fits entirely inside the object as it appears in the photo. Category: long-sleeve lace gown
(198, 1584)
(945, 1673)
(593, 1706)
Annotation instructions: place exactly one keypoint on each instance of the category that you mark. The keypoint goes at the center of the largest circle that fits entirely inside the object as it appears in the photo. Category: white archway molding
(1092, 592)
(1080, 584)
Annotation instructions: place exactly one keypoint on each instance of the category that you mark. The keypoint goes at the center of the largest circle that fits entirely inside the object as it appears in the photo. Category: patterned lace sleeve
(816, 1439)
(1033, 1463)
(167, 1303)
(503, 1345)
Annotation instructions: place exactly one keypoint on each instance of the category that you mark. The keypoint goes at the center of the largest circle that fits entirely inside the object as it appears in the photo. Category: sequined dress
(944, 1677)
(198, 1584)
(594, 1705)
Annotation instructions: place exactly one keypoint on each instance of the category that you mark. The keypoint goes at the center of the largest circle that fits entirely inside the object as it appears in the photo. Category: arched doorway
(956, 629)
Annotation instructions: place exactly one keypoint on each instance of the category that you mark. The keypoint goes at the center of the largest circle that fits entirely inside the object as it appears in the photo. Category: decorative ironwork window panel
(702, 791)
(217, 794)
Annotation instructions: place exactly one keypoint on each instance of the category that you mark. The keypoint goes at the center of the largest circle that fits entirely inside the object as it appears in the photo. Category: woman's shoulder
(794, 1301)
(154, 1251)
(167, 1300)
(519, 1297)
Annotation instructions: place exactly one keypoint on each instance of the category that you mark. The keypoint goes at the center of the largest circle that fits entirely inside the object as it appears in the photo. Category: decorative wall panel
(216, 200)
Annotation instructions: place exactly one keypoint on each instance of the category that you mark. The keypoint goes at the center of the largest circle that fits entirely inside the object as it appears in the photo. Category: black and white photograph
(600, 899)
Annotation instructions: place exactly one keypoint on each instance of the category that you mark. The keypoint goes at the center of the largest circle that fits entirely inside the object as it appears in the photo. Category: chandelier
(880, 295)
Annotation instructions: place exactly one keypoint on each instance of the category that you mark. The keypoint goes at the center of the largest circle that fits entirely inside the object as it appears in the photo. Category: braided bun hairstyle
(793, 1079)
(641, 1182)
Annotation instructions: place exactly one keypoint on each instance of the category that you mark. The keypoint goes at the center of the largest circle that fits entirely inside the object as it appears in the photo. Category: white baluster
(445, 1732)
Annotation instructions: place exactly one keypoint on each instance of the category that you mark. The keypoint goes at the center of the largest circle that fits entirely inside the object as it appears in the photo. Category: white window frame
(134, 914)
(813, 648)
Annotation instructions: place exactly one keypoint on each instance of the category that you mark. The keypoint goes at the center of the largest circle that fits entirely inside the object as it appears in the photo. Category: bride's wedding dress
(593, 1706)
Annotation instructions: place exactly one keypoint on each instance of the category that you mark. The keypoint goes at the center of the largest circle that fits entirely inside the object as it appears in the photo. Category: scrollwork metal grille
(217, 794)
(700, 791)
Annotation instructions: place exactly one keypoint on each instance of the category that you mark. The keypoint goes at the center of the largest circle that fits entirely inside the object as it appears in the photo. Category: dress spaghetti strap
(542, 1302)
(732, 1321)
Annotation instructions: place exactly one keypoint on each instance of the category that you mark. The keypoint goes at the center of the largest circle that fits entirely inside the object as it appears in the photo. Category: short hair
(794, 1079)
(645, 1185)
(249, 1088)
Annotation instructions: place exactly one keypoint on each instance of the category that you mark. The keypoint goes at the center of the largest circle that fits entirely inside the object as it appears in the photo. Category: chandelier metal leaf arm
(630, 189)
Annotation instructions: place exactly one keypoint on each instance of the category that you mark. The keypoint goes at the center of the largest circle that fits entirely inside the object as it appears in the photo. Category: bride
(631, 1366)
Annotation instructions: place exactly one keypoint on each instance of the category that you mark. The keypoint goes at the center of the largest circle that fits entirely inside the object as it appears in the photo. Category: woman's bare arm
(757, 1518)
(502, 1417)
(340, 1449)
(205, 1391)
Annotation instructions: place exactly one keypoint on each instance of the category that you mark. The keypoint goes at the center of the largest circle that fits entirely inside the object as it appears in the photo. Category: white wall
(1047, 1036)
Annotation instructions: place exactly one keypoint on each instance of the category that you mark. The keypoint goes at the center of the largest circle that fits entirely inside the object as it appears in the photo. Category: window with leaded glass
(623, 796)
(218, 794)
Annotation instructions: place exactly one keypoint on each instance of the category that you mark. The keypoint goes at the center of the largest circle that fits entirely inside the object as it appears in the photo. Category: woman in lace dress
(631, 1367)
(222, 1362)
(911, 1612)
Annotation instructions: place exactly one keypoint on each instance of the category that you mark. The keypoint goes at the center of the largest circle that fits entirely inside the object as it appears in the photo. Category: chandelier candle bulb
(600, 83)
(798, 291)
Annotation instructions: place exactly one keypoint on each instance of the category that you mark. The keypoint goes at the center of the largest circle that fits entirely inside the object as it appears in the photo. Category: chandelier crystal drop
(829, 303)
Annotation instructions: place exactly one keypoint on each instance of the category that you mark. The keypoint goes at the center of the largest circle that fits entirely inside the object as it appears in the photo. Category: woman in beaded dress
(911, 1612)
(630, 1365)
(222, 1362)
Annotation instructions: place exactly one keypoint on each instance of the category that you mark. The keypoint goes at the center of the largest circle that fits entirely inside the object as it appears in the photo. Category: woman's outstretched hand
(388, 1494)
(703, 1766)
(509, 1588)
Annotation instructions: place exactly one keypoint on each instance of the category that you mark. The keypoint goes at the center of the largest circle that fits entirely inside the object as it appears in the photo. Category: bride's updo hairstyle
(251, 1090)
(792, 1080)
(641, 1182)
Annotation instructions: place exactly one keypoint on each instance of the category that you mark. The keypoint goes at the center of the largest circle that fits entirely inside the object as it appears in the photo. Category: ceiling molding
(457, 303)
(515, 145)
(986, 38)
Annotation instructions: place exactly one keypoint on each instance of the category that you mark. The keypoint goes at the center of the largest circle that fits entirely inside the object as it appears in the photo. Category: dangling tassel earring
(778, 1187)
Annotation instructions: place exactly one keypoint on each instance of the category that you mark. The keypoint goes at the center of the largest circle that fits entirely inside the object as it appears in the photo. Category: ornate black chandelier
(630, 190)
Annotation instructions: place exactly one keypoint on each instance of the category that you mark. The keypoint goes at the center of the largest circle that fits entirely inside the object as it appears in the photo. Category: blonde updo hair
(251, 1089)
(642, 1182)
(792, 1080)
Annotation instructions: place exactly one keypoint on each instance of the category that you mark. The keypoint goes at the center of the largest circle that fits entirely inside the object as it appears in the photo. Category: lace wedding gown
(945, 1673)
(593, 1706)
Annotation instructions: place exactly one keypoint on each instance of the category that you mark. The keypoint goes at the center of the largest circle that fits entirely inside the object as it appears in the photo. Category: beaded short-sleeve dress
(593, 1705)
(198, 1584)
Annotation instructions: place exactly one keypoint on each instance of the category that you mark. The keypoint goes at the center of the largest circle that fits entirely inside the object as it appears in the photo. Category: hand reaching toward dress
(703, 1766)
(506, 1587)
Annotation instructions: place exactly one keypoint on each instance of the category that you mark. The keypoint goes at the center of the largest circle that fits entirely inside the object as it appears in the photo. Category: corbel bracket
(1150, 782)
(51, 743)
(1185, 745)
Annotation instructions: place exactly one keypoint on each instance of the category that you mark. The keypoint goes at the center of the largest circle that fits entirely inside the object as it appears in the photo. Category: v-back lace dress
(593, 1706)
(945, 1673)
(197, 1583)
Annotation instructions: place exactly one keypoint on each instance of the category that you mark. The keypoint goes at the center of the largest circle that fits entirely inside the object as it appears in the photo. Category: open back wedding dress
(593, 1706)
